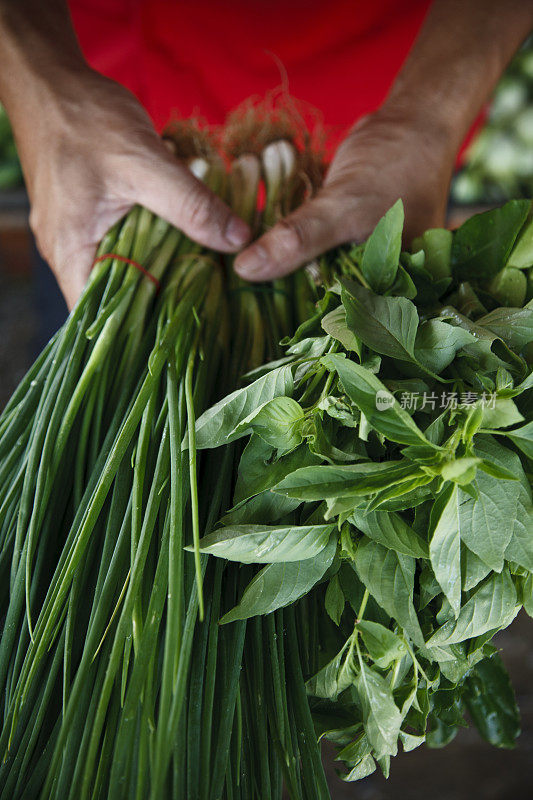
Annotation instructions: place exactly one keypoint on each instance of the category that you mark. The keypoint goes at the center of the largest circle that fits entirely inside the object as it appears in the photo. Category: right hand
(91, 156)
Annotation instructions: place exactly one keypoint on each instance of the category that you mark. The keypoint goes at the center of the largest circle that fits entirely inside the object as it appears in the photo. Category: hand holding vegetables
(94, 152)
(409, 146)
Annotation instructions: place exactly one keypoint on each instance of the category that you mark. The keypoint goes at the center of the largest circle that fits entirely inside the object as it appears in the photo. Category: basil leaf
(380, 407)
(410, 741)
(437, 344)
(336, 326)
(491, 703)
(334, 601)
(381, 715)
(445, 546)
(391, 531)
(389, 577)
(486, 523)
(520, 546)
(279, 585)
(258, 471)
(382, 249)
(266, 544)
(436, 244)
(503, 414)
(335, 677)
(215, 426)
(513, 325)
(473, 569)
(383, 646)
(522, 253)
(481, 246)
(264, 508)
(349, 480)
(387, 325)
(491, 607)
(278, 422)
(523, 438)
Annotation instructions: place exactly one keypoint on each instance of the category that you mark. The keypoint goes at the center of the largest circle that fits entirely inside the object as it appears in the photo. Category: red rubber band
(133, 263)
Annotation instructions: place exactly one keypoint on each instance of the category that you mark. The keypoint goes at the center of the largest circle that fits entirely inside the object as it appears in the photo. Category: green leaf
(491, 607)
(509, 287)
(491, 702)
(403, 284)
(277, 422)
(335, 677)
(460, 470)
(503, 414)
(437, 343)
(266, 544)
(389, 577)
(513, 325)
(523, 438)
(279, 585)
(382, 249)
(387, 325)
(522, 253)
(437, 246)
(473, 569)
(214, 426)
(347, 480)
(265, 508)
(445, 546)
(336, 326)
(391, 531)
(410, 742)
(381, 715)
(365, 767)
(486, 523)
(259, 471)
(520, 546)
(482, 245)
(379, 406)
(383, 646)
(526, 384)
(334, 600)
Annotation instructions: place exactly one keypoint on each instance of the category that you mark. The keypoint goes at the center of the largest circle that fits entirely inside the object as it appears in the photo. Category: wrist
(39, 56)
(429, 122)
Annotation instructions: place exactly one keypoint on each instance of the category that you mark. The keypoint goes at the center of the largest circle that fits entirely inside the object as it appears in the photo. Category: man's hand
(88, 150)
(97, 155)
(408, 148)
(383, 157)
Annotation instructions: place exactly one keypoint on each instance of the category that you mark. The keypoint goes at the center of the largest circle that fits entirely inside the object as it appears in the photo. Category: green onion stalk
(271, 742)
(118, 680)
(98, 477)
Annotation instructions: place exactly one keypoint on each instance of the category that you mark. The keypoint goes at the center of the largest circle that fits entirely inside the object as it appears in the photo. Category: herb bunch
(392, 523)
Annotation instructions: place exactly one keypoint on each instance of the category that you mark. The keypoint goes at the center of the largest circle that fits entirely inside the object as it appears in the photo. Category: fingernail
(252, 261)
(237, 232)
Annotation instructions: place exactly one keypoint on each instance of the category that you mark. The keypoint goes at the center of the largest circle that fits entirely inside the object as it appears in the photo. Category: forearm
(40, 66)
(457, 59)
(39, 47)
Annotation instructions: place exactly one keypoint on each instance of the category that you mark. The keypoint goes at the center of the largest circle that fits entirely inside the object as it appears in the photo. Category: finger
(171, 191)
(315, 227)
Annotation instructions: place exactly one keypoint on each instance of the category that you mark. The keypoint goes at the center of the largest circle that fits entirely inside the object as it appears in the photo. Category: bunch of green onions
(118, 681)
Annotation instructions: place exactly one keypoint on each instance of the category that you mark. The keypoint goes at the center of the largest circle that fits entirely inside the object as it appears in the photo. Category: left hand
(385, 156)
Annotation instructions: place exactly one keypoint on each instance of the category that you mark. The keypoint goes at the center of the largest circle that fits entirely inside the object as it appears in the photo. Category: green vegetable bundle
(116, 679)
(385, 487)
(132, 663)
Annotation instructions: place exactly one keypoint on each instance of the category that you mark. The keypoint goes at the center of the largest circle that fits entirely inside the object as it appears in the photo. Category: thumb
(170, 190)
(317, 226)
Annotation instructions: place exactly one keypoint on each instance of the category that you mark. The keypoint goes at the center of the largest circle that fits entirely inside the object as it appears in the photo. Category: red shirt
(204, 57)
